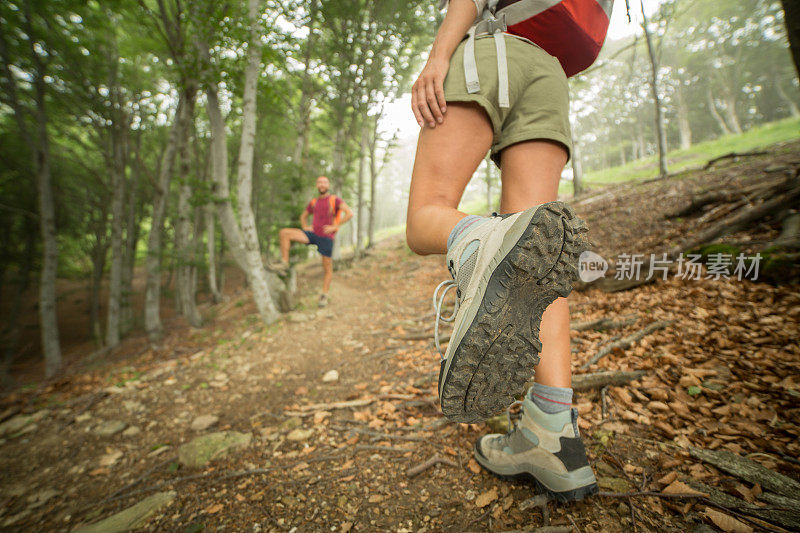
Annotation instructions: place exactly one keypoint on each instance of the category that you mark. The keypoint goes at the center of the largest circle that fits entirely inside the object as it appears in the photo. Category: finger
(415, 107)
(439, 87)
(422, 105)
(433, 102)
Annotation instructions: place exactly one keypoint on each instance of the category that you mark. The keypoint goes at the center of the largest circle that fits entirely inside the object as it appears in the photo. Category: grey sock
(459, 229)
(551, 399)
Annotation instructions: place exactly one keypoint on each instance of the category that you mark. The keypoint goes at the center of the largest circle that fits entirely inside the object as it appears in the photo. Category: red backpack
(572, 31)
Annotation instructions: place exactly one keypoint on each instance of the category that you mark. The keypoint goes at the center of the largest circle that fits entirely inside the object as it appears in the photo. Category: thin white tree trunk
(577, 169)
(359, 226)
(661, 133)
(252, 249)
(212, 259)
(712, 107)
(684, 125)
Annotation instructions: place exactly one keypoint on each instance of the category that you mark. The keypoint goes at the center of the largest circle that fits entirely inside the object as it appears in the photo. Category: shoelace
(437, 306)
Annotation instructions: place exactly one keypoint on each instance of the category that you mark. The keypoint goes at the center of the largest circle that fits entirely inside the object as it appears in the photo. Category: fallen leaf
(486, 498)
(726, 522)
(473, 466)
(669, 478)
(217, 507)
(679, 487)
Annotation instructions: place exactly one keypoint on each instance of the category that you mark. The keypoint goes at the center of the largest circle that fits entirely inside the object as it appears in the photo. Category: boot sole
(497, 354)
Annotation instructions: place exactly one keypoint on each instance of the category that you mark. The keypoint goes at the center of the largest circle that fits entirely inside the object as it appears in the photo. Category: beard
(322, 190)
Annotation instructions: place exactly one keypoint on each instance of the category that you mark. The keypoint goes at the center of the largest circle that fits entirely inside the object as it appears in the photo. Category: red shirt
(322, 214)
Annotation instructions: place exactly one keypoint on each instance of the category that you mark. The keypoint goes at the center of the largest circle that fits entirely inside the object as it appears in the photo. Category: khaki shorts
(537, 86)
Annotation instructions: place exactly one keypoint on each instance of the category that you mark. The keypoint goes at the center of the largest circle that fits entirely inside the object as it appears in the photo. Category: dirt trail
(723, 375)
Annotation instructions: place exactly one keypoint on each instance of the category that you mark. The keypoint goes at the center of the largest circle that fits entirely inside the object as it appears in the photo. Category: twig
(140, 478)
(335, 405)
(603, 403)
(433, 461)
(377, 433)
(481, 517)
(733, 155)
(369, 447)
(627, 341)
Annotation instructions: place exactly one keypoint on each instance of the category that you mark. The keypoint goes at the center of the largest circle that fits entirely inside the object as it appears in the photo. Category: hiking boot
(323, 300)
(542, 446)
(280, 268)
(506, 271)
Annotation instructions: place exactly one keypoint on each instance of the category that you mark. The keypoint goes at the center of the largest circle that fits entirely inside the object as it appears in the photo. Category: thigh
(530, 173)
(297, 235)
(448, 155)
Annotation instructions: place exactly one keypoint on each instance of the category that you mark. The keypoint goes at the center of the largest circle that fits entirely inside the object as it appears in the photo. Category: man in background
(328, 213)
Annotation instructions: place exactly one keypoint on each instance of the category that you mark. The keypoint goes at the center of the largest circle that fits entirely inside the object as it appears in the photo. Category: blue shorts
(323, 244)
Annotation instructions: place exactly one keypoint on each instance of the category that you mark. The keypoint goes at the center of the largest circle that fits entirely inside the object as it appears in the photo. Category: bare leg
(286, 237)
(447, 156)
(327, 267)
(530, 173)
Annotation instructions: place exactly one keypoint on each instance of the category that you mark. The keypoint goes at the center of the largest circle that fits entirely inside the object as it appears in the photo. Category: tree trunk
(359, 226)
(684, 125)
(659, 118)
(99, 252)
(117, 219)
(129, 262)
(252, 249)
(729, 103)
(211, 247)
(152, 316)
(577, 169)
(40, 144)
(712, 107)
(183, 229)
(791, 16)
(793, 109)
(304, 122)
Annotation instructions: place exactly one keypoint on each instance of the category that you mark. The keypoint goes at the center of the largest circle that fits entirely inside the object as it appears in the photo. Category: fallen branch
(602, 324)
(598, 380)
(733, 155)
(749, 471)
(627, 341)
(377, 434)
(784, 517)
(372, 448)
(335, 405)
(433, 461)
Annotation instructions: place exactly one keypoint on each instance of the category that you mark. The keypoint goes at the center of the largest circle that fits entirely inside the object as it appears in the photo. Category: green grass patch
(697, 155)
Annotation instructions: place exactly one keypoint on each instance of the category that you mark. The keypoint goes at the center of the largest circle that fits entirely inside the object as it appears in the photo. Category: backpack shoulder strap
(313, 203)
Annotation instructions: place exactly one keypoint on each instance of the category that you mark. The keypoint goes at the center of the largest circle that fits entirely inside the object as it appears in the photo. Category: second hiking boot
(544, 447)
(506, 272)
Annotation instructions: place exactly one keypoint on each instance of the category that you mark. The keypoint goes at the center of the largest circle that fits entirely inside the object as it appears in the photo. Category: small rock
(300, 434)
(291, 423)
(83, 417)
(133, 406)
(132, 517)
(204, 449)
(204, 422)
(110, 427)
(159, 451)
(298, 317)
(110, 458)
(131, 431)
(330, 376)
(14, 425)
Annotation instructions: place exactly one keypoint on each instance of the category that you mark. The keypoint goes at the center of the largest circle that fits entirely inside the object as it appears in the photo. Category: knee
(283, 233)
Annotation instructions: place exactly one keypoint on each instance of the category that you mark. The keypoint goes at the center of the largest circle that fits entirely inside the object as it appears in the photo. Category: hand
(330, 229)
(308, 228)
(427, 93)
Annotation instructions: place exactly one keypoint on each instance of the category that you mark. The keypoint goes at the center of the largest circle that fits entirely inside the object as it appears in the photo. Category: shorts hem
(494, 118)
(532, 135)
